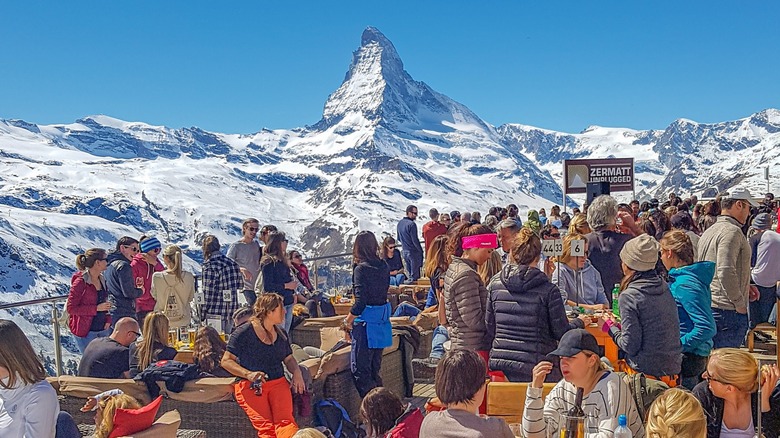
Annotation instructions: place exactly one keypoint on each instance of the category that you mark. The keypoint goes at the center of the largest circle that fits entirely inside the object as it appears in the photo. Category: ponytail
(81, 262)
(173, 254)
(88, 259)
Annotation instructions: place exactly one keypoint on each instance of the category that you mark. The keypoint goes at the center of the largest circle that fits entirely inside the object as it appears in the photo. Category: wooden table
(342, 308)
(185, 356)
(604, 340)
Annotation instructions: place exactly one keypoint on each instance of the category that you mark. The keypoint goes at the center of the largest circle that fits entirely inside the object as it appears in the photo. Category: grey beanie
(640, 253)
(762, 221)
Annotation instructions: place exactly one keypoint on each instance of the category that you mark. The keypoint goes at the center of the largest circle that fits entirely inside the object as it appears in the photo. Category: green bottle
(615, 307)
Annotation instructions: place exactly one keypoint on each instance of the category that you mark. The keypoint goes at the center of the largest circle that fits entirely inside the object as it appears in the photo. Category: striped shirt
(610, 398)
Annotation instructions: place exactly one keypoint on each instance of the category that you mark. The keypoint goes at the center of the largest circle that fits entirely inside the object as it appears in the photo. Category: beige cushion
(298, 353)
(165, 426)
(205, 390)
(83, 387)
(330, 321)
(54, 383)
(313, 365)
(427, 321)
(333, 363)
(329, 336)
(400, 320)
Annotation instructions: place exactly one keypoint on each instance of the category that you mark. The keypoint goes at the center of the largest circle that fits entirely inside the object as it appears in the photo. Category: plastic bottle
(615, 292)
(622, 431)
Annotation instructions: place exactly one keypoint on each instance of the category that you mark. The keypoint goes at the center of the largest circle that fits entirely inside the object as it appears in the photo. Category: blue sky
(238, 66)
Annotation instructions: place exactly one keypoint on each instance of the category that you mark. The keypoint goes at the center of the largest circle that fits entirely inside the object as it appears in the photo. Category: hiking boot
(424, 369)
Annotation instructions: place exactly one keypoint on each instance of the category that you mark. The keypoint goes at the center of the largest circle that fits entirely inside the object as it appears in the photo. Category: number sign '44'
(552, 248)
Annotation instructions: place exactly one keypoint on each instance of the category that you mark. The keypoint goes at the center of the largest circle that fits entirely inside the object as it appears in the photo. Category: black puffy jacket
(525, 319)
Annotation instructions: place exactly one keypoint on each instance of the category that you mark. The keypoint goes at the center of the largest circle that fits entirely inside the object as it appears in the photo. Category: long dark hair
(209, 348)
(380, 410)
(389, 240)
(365, 248)
(273, 250)
(458, 232)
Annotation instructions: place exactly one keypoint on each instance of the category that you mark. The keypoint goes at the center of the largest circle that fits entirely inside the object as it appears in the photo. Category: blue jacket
(591, 291)
(378, 328)
(407, 234)
(690, 287)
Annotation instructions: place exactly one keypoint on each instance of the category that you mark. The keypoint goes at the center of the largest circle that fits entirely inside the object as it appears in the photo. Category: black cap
(575, 341)
(454, 214)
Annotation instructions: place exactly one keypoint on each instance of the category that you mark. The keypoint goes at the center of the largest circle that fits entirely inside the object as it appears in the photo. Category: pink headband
(481, 241)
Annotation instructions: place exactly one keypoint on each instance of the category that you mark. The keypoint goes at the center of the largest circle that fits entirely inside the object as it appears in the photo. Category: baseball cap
(575, 341)
(740, 193)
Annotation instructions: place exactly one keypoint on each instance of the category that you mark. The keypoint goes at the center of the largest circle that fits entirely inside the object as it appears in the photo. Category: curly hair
(209, 348)
(676, 413)
(106, 409)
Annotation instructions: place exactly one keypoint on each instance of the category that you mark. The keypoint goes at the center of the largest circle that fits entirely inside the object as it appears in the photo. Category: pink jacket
(142, 269)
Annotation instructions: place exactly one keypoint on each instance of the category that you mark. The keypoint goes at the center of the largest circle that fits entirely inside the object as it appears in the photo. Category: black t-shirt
(395, 263)
(99, 320)
(255, 355)
(161, 352)
(104, 358)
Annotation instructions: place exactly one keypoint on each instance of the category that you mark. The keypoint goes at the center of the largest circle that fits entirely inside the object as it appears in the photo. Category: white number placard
(552, 248)
(578, 248)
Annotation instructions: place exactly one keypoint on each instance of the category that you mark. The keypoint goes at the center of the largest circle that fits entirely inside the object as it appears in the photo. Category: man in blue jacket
(410, 241)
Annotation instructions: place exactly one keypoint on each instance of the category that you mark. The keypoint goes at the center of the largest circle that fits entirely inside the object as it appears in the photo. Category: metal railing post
(55, 316)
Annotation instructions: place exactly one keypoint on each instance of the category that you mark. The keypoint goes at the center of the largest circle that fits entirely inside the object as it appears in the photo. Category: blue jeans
(406, 309)
(288, 317)
(397, 279)
(413, 263)
(82, 343)
(365, 362)
(732, 328)
(440, 336)
(66, 426)
(761, 310)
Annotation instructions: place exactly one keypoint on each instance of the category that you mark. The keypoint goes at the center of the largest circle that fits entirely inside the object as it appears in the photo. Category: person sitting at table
(369, 317)
(577, 279)
(525, 317)
(385, 415)
(257, 353)
(689, 283)
(434, 267)
(460, 386)
(316, 303)
(649, 328)
(109, 358)
(729, 398)
(154, 345)
(605, 395)
(395, 263)
(208, 352)
(676, 413)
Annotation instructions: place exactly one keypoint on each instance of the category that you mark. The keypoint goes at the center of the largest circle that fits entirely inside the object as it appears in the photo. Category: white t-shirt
(610, 398)
(28, 411)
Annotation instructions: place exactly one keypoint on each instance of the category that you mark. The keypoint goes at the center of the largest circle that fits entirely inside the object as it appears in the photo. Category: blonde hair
(173, 253)
(309, 433)
(676, 413)
(107, 408)
(155, 330)
(566, 257)
(579, 224)
(680, 244)
(18, 357)
(526, 247)
(736, 368)
(487, 270)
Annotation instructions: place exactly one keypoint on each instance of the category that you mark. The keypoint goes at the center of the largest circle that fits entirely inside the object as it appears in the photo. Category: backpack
(329, 413)
(173, 308)
(644, 391)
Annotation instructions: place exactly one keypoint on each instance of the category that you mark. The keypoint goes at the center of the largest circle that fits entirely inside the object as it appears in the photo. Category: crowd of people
(678, 286)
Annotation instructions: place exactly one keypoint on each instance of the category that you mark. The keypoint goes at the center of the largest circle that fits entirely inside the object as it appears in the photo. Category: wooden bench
(507, 400)
(764, 327)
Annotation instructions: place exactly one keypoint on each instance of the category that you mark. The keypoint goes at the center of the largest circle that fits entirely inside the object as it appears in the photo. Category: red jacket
(431, 230)
(408, 424)
(145, 303)
(302, 272)
(82, 304)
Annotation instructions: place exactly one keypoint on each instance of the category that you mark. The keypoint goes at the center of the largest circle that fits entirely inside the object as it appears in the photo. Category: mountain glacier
(384, 141)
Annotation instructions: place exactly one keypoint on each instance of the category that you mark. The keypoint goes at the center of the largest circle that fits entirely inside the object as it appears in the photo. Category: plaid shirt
(220, 274)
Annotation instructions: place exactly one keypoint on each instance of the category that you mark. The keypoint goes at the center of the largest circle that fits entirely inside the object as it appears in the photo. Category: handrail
(4, 306)
(325, 257)
(55, 316)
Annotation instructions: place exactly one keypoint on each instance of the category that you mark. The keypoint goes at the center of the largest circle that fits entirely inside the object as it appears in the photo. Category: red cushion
(130, 421)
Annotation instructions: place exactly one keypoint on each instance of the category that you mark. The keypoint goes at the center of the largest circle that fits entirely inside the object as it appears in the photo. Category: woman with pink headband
(465, 294)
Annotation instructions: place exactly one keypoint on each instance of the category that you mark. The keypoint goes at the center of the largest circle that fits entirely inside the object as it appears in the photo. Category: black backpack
(644, 391)
(329, 413)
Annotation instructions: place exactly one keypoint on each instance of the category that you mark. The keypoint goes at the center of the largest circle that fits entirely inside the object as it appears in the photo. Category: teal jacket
(690, 287)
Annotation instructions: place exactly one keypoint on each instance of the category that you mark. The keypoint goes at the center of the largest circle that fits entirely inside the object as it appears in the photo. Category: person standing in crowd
(174, 289)
(683, 221)
(649, 329)
(28, 403)
(392, 257)
(316, 304)
(507, 230)
(764, 256)
(265, 232)
(676, 413)
(144, 265)
(109, 358)
(369, 318)
(604, 243)
(436, 263)
(729, 399)
(410, 242)
(512, 214)
(543, 216)
(455, 216)
(533, 222)
(444, 219)
(555, 216)
(579, 282)
(465, 295)
(689, 283)
(524, 318)
(123, 287)
(276, 276)
(222, 280)
(257, 353)
(724, 244)
(466, 217)
(709, 216)
(579, 225)
(87, 303)
(385, 415)
(246, 252)
(432, 228)
(154, 345)
(605, 395)
(634, 204)
(460, 386)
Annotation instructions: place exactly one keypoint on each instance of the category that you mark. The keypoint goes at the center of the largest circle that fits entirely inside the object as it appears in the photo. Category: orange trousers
(271, 413)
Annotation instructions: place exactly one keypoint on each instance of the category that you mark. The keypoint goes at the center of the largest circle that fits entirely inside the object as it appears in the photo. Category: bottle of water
(622, 430)
(615, 307)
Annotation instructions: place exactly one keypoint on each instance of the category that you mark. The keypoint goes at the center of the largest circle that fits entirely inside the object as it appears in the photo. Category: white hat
(740, 193)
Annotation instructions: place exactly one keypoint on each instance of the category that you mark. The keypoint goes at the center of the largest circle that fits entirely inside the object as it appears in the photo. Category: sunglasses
(253, 229)
(103, 260)
(556, 235)
(132, 248)
(390, 246)
(708, 377)
(137, 335)
(297, 256)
